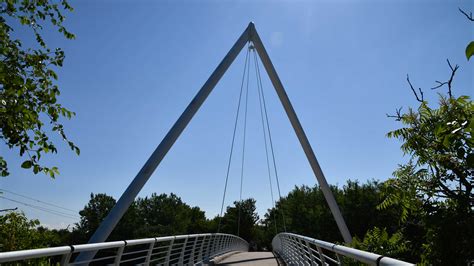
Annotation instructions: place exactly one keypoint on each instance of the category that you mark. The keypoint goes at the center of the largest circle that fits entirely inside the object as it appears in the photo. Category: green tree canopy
(95, 211)
(29, 107)
(246, 226)
(306, 212)
(17, 232)
(164, 214)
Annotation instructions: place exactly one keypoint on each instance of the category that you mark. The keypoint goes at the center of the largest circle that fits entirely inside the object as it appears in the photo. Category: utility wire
(233, 141)
(37, 200)
(271, 142)
(265, 140)
(42, 209)
(243, 145)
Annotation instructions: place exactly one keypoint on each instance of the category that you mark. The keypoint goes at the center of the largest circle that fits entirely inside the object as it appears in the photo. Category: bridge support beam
(250, 34)
(112, 219)
(318, 172)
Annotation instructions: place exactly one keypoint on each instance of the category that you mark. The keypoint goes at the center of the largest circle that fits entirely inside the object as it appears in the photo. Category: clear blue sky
(135, 66)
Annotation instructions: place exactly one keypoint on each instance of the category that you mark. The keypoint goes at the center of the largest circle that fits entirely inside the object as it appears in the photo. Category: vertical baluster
(311, 255)
(321, 255)
(118, 256)
(183, 249)
(191, 257)
(168, 254)
(150, 251)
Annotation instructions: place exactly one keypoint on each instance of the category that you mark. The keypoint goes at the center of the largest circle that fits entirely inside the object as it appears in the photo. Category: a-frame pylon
(249, 35)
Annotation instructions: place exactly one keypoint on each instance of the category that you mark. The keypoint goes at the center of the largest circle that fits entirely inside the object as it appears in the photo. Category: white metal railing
(301, 250)
(183, 249)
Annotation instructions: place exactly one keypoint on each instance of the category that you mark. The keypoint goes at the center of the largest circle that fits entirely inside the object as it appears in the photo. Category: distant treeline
(303, 211)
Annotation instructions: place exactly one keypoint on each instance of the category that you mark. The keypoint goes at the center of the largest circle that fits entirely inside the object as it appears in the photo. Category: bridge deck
(250, 258)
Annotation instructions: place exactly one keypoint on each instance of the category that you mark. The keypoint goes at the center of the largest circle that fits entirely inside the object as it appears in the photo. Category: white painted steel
(295, 122)
(183, 249)
(301, 250)
(114, 216)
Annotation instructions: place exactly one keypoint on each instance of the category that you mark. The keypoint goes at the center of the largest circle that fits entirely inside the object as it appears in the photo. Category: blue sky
(135, 66)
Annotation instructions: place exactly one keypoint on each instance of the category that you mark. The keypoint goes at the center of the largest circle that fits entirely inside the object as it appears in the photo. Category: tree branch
(398, 114)
(418, 98)
(465, 14)
(449, 82)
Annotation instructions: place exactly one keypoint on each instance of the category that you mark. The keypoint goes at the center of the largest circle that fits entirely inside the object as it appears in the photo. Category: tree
(162, 215)
(304, 211)
(441, 150)
(435, 188)
(377, 240)
(94, 213)
(18, 233)
(29, 107)
(470, 46)
(246, 225)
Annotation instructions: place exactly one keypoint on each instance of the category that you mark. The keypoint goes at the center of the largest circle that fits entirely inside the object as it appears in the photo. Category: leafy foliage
(248, 220)
(439, 142)
(306, 212)
(469, 50)
(28, 94)
(157, 215)
(95, 211)
(434, 190)
(17, 232)
(378, 241)
(168, 215)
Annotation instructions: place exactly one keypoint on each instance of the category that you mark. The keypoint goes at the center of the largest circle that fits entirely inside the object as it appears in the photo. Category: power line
(40, 201)
(66, 215)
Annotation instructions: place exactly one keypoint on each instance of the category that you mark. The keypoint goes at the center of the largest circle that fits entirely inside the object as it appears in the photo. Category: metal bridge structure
(200, 249)
(210, 248)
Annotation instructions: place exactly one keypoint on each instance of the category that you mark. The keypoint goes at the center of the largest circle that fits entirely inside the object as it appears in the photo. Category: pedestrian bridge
(216, 248)
(199, 249)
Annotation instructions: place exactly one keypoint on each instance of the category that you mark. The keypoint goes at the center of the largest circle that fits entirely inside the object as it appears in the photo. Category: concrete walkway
(250, 258)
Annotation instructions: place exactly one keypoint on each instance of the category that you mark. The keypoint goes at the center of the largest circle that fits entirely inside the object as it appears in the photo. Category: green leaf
(26, 164)
(470, 50)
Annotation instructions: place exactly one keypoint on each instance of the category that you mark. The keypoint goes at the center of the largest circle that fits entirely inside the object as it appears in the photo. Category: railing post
(65, 258)
(150, 251)
(183, 249)
(301, 250)
(168, 254)
(213, 245)
(201, 249)
(311, 255)
(321, 254)
(191, 258)
(228, 240)
(208, 248)
(118, 256)
(220, 247)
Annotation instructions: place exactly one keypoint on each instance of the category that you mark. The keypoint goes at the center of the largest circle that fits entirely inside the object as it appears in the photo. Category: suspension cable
(243, 145)
(264, 131)
(259, 82)
(233, 141)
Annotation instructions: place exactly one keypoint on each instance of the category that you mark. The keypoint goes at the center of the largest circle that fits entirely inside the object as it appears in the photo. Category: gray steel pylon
(250, 34)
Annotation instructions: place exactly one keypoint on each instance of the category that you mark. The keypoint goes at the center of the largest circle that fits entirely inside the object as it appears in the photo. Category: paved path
(250, 258)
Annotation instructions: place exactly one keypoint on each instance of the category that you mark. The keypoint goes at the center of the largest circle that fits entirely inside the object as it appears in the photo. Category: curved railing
(301, 250)
(184, 249)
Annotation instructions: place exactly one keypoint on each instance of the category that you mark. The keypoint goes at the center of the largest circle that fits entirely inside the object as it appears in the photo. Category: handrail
(301, 250)
(182, 249)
